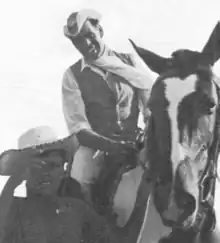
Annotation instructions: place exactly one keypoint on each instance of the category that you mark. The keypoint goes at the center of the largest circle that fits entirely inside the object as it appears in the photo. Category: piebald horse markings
(175, 90)
(182, 143)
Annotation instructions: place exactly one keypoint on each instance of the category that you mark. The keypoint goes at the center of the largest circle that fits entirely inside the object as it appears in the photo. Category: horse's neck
(125, 197)
(136, 211)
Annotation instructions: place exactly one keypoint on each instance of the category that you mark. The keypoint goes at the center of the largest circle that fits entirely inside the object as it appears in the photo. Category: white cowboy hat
(76, 20)
(36, 136)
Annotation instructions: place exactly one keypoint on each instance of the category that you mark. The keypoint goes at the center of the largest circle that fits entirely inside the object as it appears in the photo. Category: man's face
(45, 176)
(89, 41)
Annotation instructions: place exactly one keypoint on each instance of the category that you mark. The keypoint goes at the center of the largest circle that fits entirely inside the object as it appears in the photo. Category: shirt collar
(85, 64)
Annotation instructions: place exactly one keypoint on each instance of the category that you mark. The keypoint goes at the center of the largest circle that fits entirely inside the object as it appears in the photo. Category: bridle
(206, 218)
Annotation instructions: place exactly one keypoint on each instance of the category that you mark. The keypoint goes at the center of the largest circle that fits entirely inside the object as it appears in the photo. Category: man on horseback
(102, 94)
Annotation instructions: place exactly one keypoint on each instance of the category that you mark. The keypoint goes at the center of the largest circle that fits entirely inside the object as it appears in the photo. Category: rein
(206, 216)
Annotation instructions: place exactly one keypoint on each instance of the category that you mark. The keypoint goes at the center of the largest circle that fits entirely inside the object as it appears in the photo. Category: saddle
(116, 165)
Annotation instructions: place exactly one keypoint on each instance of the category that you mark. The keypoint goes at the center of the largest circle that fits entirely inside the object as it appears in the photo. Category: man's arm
(137, 62)
(77, 122)
(73, 105)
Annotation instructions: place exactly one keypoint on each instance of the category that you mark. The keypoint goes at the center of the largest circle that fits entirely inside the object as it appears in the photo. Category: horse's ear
(156, 63)
(212, 47)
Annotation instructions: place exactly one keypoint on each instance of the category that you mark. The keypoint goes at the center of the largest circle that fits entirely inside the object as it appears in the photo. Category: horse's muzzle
(180, 210)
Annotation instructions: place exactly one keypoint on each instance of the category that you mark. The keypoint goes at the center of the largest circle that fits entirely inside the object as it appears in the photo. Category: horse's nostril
(186, 201)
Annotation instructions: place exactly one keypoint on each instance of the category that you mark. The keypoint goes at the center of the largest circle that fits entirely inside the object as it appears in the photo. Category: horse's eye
(211, 103)
(207, 104)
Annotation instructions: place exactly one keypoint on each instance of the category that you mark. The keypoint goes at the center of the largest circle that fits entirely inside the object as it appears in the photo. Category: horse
(121, 217)
(132, 228)
(182, 141)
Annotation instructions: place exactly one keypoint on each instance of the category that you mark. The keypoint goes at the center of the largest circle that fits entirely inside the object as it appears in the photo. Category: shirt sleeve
(73, 104)
(137, 62)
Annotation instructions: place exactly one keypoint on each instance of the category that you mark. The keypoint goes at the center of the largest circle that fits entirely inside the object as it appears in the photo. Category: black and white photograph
(110, 121)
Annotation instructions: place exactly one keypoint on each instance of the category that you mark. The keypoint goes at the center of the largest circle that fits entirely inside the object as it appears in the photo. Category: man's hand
(96, 141)
(124, 152)
(125, 146)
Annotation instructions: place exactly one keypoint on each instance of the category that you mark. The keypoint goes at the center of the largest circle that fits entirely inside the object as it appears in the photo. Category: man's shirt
(73, 104)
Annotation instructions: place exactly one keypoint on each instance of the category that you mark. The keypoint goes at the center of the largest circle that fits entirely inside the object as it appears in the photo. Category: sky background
(34, 53)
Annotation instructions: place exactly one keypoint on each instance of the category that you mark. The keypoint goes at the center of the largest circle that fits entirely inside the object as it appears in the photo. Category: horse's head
(181, 130)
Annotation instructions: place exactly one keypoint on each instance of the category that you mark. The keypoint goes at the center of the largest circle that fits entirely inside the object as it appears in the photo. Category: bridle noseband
(206, 218)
